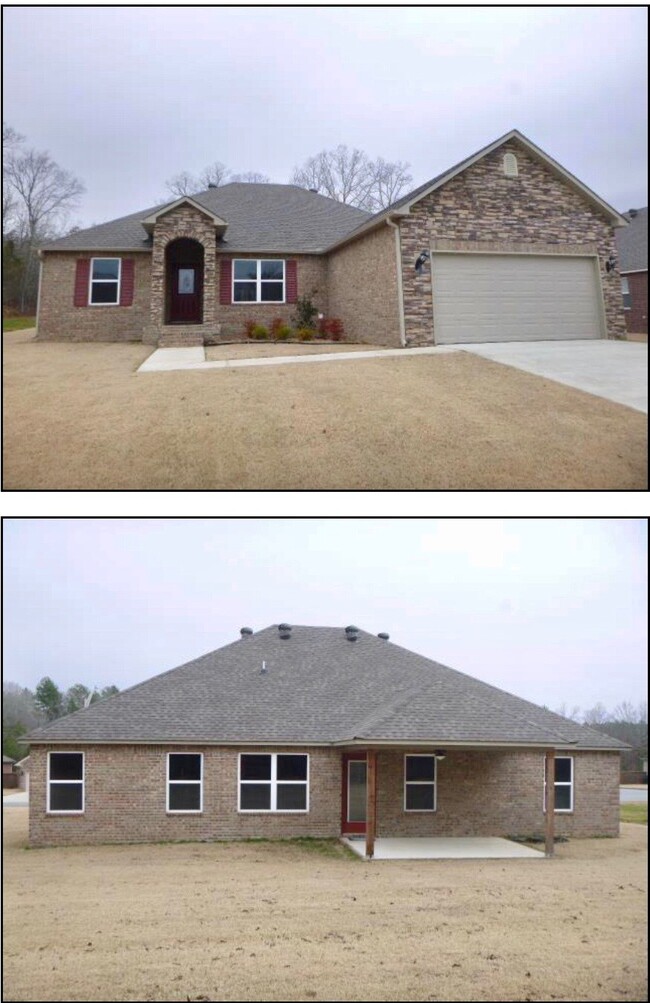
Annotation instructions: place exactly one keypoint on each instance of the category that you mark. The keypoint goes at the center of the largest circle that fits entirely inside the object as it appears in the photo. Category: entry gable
(149, 222)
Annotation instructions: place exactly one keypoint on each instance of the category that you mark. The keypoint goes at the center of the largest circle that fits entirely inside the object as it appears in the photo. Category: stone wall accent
(479, 793)
(183, 221)
(636, 318)
(362, 280)
(60, 320)
(484, 209)
(311, 275)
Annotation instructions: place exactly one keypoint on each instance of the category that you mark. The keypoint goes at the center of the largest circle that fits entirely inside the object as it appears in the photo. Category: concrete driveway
(616, 370)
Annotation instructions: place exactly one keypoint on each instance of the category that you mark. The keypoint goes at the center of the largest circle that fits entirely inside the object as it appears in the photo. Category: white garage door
(514, 297)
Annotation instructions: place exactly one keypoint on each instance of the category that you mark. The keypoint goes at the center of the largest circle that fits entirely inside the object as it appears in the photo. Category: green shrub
(305, 311)
(283, 332)
(259, 332)
(305, 334)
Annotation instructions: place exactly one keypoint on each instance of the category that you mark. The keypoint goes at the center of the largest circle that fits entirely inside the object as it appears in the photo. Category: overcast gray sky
(551, 610)
(127, 97)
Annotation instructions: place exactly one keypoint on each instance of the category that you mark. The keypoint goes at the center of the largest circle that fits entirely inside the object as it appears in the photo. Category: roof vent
(245, 631)
(352, 633)
(212, 185)
(284, 631)
(314, 190)
(632, 213)
(510, 168)
(384, 637)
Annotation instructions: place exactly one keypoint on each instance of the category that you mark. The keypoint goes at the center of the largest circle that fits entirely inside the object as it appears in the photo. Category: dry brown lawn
(270, 921)
(78, 416)
(265, 350)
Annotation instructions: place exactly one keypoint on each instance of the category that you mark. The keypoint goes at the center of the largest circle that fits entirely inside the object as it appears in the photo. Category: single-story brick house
(633, 269)
(9, 777)
(508, 246)
(320, 732)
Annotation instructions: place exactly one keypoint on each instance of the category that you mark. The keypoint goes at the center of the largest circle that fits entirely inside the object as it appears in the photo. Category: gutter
(400, 290)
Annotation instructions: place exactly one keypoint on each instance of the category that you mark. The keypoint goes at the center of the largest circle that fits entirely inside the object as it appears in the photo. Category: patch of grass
(635, 811)
(17, 323)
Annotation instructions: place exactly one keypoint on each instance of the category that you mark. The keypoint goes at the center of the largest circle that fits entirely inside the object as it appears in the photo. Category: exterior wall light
(419, 264)
(610, 264)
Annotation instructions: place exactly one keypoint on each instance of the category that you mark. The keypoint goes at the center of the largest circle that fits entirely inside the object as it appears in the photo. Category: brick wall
(479, 793)
(60, 320)
(532, 211)
(636, 318)
(362, 281)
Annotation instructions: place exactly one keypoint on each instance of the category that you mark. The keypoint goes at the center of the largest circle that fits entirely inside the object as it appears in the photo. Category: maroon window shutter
(292, 281)
(126, 288)
(225, 282)
(81, 282)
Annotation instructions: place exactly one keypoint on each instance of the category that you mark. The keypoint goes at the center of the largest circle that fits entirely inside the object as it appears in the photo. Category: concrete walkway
(443, 848)
(16, 799)
(615, 370)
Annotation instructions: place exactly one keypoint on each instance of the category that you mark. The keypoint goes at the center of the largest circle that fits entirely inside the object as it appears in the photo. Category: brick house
(321, 732)
(506, 245)
(633, 268)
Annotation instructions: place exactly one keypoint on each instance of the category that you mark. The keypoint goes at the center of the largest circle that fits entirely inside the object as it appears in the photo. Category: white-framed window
(65, 783)
(563, 783)
(258, 281)
(510, 166)
(105, 278)
(273, 782)
(625, 290)
(184, 782)
(419, 783)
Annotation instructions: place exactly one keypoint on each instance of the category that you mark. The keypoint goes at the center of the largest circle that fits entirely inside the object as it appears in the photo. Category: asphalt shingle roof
(260, 217)
(318, 687)
(632, 242)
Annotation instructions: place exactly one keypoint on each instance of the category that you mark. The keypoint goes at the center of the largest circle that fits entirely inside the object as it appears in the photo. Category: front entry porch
(442, 848)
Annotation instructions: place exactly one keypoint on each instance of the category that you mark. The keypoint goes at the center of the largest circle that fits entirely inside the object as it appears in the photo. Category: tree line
(39, 196)
(24, 709)
(627, 722)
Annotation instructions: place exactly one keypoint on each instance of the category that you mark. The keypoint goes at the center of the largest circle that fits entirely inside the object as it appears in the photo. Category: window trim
(626, 293)
(422, 783)
(562, 783)
(67, 811)
(168, 782)
(273, 783)
(92, 281)
(258, 280)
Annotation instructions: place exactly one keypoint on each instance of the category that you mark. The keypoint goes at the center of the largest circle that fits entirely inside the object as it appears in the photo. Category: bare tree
(572, 713)
(351, 176)
(597, 715)
(183, 184)
(11, 142)
(213, 176)
(251, 177)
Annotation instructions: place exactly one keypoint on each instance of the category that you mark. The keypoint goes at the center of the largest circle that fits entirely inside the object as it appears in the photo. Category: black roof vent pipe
(352, 633)
(384, 637)
(245, 631)
(284, 630)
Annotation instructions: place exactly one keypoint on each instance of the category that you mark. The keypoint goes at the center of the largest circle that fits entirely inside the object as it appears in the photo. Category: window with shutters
(258, 281)
(105, 275)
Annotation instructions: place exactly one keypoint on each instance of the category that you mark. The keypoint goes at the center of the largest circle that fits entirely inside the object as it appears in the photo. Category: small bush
(305, 311)
(283, 333)
(332, 328)
(248, 327)
(305, 334)
(276, 324)
(260, 332)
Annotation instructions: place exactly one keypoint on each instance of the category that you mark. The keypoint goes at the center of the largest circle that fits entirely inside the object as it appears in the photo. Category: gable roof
(150, 221)
(632, 242)
(318, 688)
(7, 759)
(402, 206)
(260, 217)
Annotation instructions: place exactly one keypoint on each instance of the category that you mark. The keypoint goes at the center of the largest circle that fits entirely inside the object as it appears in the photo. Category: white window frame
(562, 783)
(67, 811)
(92, 281)
(184, 811)
(259, 281)
(273, 782)
(422, 783)
(625, 291)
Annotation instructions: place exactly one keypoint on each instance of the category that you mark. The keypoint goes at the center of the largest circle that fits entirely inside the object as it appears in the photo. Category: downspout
(400, 290)
(38, 294)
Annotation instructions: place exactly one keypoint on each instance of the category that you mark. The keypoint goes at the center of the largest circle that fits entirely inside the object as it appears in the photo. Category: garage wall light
(419, 264)
(610, 264)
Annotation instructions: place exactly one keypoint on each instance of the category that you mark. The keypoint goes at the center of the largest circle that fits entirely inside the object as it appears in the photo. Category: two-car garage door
(514, 297)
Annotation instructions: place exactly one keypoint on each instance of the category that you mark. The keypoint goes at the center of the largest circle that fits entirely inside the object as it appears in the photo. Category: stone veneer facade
(483, 210)
(480, 793)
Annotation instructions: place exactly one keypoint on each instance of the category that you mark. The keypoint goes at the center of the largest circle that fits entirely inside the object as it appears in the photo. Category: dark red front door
(185, 305)
(354, 793)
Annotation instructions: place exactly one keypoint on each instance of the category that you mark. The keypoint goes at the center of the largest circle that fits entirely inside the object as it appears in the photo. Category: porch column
(550, 802)
(371, 802)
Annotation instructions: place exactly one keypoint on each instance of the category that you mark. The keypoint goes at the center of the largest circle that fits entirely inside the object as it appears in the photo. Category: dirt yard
(266, 921)
(265, 350)
(78, 417)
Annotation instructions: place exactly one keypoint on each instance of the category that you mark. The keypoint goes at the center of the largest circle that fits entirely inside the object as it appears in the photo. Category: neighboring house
(633, 267)
(9, 778)
(22, 772)
(315, 731)
(508, 244)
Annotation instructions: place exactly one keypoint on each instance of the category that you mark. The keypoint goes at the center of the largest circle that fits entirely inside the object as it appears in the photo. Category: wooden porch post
(550, 802)
(371, 803)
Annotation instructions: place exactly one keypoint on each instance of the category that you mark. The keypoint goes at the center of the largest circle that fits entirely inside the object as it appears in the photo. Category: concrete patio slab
(616, 370)
(444, 848)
